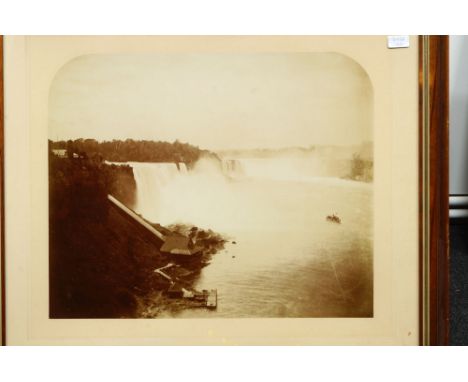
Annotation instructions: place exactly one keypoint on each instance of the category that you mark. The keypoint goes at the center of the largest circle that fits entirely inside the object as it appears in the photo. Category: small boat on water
(334, 218)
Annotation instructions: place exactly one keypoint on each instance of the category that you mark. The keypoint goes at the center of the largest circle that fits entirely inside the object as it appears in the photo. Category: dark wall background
(458, 188)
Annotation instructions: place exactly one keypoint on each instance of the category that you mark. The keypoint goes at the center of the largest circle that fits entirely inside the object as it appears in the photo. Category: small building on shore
(175, 291)
(61, 153)
(180, 245)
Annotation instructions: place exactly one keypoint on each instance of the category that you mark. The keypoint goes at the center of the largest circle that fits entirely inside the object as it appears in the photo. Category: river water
(283, 258)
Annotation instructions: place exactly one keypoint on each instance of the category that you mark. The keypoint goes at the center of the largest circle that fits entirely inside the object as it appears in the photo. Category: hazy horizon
(215, 101)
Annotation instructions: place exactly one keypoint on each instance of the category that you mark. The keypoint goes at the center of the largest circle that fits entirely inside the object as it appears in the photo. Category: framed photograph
(225, 190)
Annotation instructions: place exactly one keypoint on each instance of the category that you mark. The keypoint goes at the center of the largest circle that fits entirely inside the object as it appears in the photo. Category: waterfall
(213, 194)
(169, 193)
(182, 168)
(151, 180)
(232, 168)
(298, 169)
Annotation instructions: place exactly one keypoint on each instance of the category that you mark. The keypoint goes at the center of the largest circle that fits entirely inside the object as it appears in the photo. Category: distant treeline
(134, 151)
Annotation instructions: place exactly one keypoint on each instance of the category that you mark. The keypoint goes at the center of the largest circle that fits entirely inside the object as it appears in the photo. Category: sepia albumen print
(211, 185)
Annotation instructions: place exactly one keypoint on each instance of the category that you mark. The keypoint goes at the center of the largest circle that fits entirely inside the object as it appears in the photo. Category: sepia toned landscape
(211, 185)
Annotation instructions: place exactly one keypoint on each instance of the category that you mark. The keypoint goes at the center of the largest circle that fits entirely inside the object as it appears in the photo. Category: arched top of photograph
(237, 183)
(215, 101)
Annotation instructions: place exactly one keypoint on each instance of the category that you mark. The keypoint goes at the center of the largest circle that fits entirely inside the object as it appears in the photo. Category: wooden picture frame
(433, 189)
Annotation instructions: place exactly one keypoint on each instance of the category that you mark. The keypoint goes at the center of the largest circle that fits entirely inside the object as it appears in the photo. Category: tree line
(130, 150)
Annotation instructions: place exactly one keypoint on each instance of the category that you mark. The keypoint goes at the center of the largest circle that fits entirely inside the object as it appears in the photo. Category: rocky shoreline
(180, 275)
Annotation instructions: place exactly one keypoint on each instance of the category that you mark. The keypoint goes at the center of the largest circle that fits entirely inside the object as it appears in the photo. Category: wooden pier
(212, 299)
(204, 299)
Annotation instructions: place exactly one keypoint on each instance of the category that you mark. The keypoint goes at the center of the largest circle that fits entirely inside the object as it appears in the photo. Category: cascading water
(232, 167)
(151, 179)
(168, 193)
(282, 169)
(182, 168)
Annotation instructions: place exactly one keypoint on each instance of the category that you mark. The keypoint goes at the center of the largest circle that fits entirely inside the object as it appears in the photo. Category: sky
(214, 101)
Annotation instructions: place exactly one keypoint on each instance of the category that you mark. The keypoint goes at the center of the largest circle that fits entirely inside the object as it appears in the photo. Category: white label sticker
(398, 42)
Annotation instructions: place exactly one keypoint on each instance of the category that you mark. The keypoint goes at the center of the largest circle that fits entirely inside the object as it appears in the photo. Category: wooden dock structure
(212, 299)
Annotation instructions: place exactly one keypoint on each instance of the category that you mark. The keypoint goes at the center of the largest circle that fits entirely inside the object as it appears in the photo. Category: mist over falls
(232, 194)
(287, 260)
